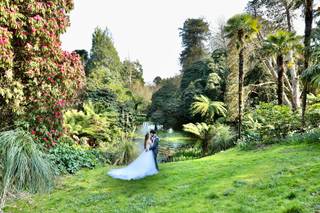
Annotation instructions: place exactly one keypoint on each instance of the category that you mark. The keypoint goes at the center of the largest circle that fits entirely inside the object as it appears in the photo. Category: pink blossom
(3, 41)
(61, 103)
(29, 46)
(37, 18)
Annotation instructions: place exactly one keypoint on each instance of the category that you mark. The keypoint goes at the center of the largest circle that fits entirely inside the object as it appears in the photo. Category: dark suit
(154, 148)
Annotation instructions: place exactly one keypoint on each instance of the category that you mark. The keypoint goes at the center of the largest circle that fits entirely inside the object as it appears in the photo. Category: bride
(141, 167)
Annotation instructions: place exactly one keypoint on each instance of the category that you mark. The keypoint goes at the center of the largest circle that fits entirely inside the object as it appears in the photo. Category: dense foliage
(194, 33)
(255, 57)
(76, 110)
(42, 90)
(92, 126)
(213, 138)
(268, 122)
(165, 105)
(37, 78)
(70, 159)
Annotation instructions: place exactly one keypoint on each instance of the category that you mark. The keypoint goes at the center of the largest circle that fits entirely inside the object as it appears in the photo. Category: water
(170, 141)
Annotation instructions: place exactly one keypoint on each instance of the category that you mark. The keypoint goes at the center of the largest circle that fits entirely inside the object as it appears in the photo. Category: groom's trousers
(155, 160)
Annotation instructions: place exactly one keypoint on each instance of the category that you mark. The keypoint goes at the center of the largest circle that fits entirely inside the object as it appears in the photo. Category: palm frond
(199, 129)
(312, 75)
(281, 42)
(207, 108)
(244, 23)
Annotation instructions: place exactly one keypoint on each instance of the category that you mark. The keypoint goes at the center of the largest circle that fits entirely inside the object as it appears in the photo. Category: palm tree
(308, 18)
(280, 44)
(240, 28)
(207, 108)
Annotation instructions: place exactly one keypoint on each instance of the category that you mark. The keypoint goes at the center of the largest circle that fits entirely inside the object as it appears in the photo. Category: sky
(145, 30)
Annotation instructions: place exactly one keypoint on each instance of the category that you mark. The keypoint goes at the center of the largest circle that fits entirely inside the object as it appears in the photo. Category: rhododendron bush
(37, 78)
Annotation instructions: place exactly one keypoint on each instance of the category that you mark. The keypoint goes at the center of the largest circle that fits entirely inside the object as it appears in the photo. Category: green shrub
(97, 128)
(187, 153)
(222, 138)
(23, 166)
(311, 136)
(250, 140)
(313, 112)
(65, 139)
(213, 138)
(70, 159)
(271, 122)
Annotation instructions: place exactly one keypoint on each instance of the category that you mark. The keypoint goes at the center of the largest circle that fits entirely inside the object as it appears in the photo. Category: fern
(207, 108)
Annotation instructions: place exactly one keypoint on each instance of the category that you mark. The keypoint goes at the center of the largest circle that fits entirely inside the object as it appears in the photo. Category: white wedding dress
(141, 167)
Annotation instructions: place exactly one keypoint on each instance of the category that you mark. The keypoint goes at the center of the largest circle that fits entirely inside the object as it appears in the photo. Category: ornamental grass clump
(23, 166)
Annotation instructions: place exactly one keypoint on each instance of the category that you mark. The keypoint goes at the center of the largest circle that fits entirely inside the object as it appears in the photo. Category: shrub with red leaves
(37, 78)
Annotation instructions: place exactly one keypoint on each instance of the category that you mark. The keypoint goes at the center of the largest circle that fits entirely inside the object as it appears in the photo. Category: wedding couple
(145, 165)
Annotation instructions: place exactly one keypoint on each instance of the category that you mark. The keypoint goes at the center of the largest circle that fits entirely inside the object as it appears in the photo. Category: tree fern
(202, 131)
(207, 108)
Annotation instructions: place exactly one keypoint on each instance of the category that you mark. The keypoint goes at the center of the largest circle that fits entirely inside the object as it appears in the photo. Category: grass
(278, 178)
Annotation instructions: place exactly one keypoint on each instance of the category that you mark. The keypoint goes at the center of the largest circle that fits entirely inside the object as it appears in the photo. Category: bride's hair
(146, 138)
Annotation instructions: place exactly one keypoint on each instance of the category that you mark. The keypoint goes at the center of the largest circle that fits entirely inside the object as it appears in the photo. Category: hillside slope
(279, 178)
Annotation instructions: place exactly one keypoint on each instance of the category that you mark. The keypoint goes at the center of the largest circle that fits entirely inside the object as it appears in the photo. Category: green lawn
(278, 178)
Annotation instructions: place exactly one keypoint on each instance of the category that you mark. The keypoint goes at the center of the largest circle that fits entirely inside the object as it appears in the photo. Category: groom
(154, 147)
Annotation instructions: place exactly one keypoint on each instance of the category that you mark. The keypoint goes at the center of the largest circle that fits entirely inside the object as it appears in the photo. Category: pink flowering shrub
(37, 78)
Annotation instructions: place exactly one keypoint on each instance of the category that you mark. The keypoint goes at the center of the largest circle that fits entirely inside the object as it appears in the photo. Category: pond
(170, 140)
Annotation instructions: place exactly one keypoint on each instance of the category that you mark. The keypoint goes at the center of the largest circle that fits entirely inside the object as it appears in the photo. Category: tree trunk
(240, 92)
(307, 37)
(280, 78)
(241, 77)
(288, 15)
(269, 68)
(294, 78)
(294, 83)
(205, 147)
